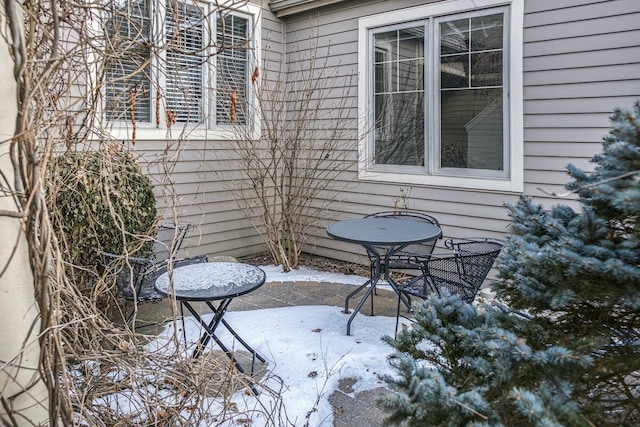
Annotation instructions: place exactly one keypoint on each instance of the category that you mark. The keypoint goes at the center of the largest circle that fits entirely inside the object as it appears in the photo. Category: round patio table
(394, 234)
(212, 282)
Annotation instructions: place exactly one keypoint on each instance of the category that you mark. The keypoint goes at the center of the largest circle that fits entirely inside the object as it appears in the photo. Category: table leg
(244, 343)
(394, 286)
(367, 294)
(371, 284)
(387, 275)
(184, 330)
(210, 329)
(354, 293)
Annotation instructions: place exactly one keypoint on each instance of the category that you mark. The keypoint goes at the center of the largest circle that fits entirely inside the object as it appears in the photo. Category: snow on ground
(307, 349)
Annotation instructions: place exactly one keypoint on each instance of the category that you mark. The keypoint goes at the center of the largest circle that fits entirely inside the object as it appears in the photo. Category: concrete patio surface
(350, 409)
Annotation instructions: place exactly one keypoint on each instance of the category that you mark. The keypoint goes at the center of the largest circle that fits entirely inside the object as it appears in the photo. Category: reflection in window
(437, 89)
(471, 111)
(399, 97)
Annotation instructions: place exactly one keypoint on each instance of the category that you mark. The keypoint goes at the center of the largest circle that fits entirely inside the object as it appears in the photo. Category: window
(184, 65)
(196, 74)
(233, 68)
(130, 32)
(441, 95)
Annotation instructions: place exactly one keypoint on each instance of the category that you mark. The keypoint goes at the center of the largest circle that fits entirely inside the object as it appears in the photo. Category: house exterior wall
(581, 59)
(193, 178)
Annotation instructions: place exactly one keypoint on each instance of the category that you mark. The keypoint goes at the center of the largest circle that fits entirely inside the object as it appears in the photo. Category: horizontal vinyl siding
(461, 213)
(581, 60)
(203, 172)
(198, 192)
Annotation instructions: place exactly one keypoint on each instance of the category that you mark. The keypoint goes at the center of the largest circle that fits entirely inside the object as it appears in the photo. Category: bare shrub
(96, 373)
(293, 169)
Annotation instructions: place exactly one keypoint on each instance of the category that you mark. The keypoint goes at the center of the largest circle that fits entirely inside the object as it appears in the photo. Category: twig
(595, 184)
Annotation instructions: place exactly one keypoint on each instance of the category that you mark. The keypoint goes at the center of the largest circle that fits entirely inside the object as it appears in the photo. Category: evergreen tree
(562, 346)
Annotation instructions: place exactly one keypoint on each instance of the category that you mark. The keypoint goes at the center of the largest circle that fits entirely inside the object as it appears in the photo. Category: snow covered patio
(295, 319)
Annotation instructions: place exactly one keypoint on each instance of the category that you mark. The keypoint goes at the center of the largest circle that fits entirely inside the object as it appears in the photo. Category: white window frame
(122, 129)
(431, 175)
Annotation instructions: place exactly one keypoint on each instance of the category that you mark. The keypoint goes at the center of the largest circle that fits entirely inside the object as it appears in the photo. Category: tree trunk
(23, 394)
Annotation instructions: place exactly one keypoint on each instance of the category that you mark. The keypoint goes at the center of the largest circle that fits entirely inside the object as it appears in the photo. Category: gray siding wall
(197, 192)
(581, 59)
(201, 172)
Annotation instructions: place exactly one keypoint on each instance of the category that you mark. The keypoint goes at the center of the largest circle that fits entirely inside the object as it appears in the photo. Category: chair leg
(371, 296)
(136, 300)
(409, 310)
(130, 316)
(397, 315)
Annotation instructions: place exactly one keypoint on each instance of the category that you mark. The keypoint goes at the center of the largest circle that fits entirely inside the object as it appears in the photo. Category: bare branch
(584, 187)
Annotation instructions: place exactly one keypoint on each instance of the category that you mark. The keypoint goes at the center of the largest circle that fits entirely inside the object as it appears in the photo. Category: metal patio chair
(409, 257)
(461, 272)
(135, 276)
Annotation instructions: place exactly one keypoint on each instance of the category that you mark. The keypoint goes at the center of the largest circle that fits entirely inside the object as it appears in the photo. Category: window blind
(128, 84)
(184, 90)
(232, 68)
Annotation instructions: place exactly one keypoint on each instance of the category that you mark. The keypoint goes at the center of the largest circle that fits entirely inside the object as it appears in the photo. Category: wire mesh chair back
(169, 241)
(135, 276)
(128, 271)
(462, 273)
(409, 257)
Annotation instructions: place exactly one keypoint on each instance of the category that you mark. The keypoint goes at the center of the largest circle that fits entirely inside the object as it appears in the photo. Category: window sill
(144, 133)
(471, 183)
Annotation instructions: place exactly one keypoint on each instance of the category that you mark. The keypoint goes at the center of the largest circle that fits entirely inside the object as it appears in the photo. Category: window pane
(399, 132)
(411, 43)
(380, 72)
(471, 93)
(128, 81)
(185, 62)
(454, 37)
(399, 97)
(409, 76)
(486, 32)
(232, 69)
(454, 71)
(407, 43)
(471, 129)
(487, 69)
(386, 42)
(471, 52)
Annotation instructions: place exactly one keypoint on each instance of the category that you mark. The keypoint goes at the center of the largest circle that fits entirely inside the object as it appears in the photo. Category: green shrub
(563, 346)
(100, 200)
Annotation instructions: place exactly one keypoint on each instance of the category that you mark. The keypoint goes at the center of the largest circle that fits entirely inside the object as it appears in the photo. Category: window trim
(122, 129)
(514, 182)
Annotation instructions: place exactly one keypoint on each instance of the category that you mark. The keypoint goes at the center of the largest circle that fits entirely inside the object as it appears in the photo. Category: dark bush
(99, 200)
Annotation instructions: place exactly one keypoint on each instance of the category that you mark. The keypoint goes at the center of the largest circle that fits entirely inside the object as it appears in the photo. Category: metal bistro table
(209, 282)
(394, 234)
